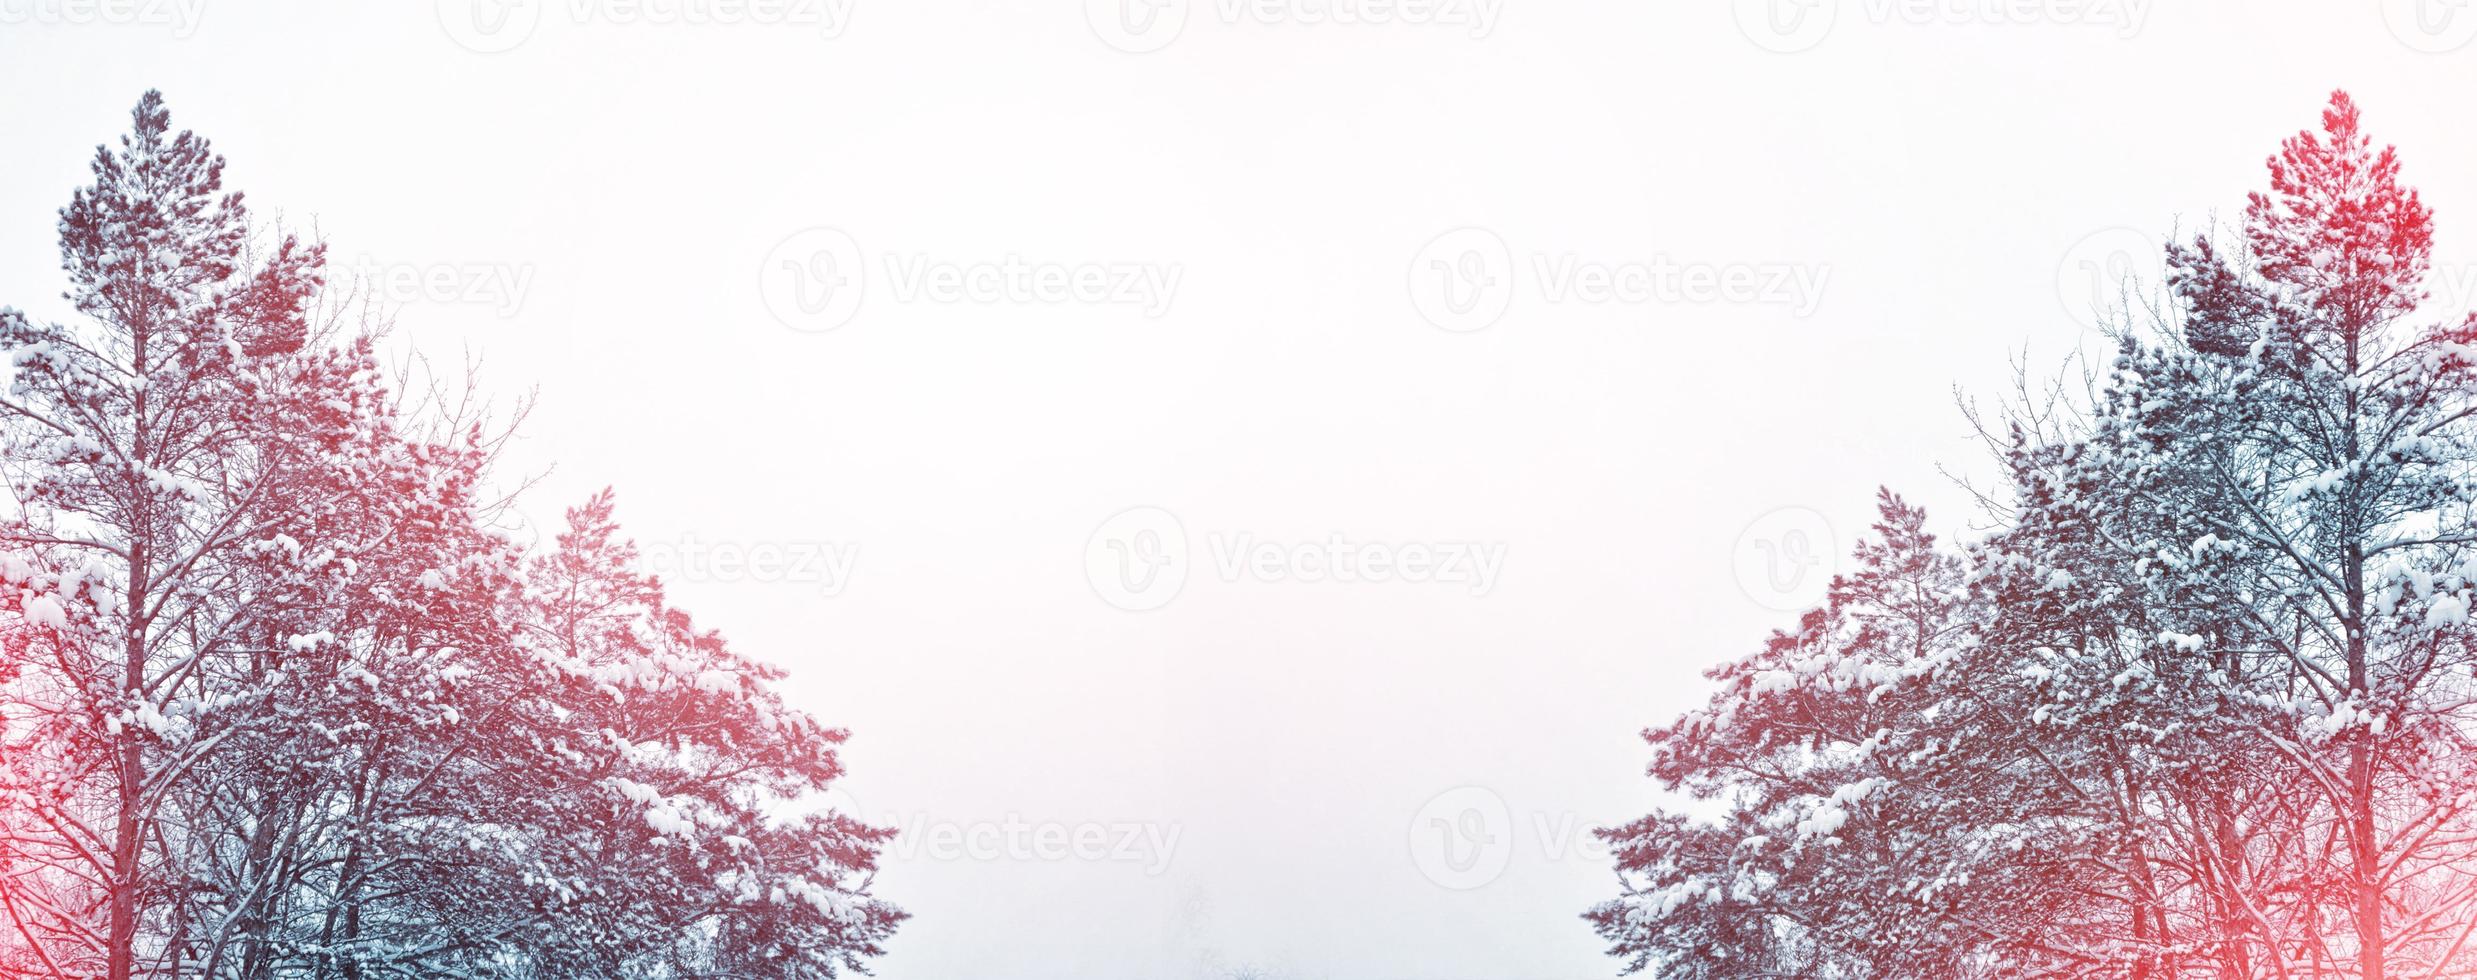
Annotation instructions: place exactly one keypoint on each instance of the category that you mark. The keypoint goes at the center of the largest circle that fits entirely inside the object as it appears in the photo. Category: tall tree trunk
(2366, 858)
(123, 935)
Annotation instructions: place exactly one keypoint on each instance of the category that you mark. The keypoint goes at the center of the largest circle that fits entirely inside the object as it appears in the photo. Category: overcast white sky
(1280, 342)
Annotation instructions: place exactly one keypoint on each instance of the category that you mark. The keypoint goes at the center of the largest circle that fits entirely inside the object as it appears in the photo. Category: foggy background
(958, 355)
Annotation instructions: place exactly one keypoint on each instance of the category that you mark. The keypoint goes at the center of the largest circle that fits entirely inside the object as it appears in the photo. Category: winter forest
(282, 699)
(280, 702)
(2199, 704)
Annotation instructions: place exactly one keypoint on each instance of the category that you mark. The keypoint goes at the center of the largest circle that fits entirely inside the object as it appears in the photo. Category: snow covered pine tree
(2201, 707)
(277, 703)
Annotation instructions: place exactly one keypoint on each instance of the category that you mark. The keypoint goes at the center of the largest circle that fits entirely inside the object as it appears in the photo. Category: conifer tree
(2208, 701)
(278, 703)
